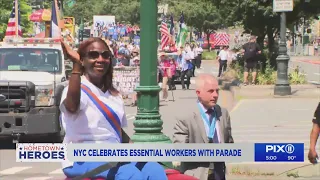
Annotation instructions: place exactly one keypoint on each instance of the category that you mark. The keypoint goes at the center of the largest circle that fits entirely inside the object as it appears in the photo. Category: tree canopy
(125, 11)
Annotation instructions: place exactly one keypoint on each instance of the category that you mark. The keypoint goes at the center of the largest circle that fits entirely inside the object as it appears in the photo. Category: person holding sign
(92, 111)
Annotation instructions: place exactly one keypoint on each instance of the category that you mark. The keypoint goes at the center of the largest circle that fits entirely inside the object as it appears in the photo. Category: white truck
(32, 77)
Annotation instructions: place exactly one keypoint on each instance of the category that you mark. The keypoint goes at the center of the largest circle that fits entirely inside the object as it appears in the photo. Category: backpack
(250, 51)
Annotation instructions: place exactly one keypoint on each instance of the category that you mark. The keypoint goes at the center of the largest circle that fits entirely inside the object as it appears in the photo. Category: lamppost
(282, 86)
(148, 123)
(81, 29)
(305, 37)
(61, 7)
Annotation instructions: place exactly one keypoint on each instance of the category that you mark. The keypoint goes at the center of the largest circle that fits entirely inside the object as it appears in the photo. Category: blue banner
(279, 152)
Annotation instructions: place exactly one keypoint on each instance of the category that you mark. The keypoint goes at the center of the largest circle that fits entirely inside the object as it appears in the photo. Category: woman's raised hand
(70, 53)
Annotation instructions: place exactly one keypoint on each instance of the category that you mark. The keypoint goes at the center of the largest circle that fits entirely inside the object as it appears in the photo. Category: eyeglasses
(96, 54)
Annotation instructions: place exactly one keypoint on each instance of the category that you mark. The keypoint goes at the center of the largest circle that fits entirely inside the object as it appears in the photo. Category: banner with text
(238, 152)
(126, 79)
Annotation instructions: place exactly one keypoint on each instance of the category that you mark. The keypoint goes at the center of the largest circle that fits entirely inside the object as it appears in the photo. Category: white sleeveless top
(88, 125)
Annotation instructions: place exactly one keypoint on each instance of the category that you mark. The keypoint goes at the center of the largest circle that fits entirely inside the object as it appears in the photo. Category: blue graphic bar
(279, 152)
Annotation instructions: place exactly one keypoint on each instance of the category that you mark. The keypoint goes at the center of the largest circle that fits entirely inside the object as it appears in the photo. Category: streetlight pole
(60, 7)
(148, 123)
(282, 86)
(81, 29)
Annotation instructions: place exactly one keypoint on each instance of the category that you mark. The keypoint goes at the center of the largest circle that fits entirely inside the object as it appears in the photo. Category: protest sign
(126, 79)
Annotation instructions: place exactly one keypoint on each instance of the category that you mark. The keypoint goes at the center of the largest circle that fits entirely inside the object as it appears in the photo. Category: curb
(299, 86)
(303, 169)
(266, 91)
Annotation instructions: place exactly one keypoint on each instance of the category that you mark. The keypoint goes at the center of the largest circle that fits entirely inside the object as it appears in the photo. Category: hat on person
(135, 51)
(135, 59)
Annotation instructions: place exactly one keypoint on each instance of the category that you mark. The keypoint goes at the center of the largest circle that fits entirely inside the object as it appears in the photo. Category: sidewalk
(267, 91)
(240, 177)
(309, 66)
(273, 120)
(305, 58)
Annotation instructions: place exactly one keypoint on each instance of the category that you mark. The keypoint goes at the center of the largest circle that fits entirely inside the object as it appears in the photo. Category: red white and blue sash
(106, 110)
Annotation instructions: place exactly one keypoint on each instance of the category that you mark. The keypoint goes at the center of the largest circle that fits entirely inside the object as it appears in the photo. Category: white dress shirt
(223, 55)
(184, 64)
(198, 50)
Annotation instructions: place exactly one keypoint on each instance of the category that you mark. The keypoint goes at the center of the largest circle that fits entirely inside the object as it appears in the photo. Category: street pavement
(278, 120)
(308, 65)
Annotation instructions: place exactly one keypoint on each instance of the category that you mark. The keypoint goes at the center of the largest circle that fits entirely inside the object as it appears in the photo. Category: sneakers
(246, 83)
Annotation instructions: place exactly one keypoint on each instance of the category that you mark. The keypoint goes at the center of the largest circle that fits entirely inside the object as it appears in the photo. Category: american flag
(55, 31)
(11, 28)
(165, 35)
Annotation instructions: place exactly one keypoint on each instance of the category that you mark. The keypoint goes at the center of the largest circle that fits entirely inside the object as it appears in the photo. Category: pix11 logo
(279, 152)
(41, 152)
(289, 148)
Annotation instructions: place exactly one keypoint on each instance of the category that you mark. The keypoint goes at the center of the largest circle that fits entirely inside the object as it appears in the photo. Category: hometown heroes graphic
(41, 152)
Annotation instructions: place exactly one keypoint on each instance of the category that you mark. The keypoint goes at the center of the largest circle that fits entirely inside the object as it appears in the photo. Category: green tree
(82, 8)
(127, 11)
(6, 8)
(258, 18)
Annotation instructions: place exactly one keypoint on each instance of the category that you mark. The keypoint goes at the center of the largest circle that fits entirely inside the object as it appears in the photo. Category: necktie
(210, 113)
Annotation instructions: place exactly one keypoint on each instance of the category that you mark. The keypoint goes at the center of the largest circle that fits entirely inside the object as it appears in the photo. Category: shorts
(250, 66)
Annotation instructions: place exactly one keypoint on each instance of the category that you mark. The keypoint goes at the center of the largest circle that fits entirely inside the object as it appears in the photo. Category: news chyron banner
(279, 152)
(242, 152)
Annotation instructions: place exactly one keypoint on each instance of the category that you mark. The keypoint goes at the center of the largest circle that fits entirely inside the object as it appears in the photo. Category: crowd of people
(181, 64)
(250, 52)
(125, 54)
(183, 67)
(115, 31)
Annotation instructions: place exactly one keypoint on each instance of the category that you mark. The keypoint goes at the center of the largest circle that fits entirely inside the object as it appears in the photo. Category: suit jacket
(190, 128)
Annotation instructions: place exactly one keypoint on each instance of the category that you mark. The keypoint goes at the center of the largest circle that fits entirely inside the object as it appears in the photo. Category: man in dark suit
(206, 122)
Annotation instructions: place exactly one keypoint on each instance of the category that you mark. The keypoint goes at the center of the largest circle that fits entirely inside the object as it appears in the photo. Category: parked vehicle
(32, 77)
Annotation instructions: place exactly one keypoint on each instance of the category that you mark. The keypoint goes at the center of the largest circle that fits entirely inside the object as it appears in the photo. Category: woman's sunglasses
(96, 54)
